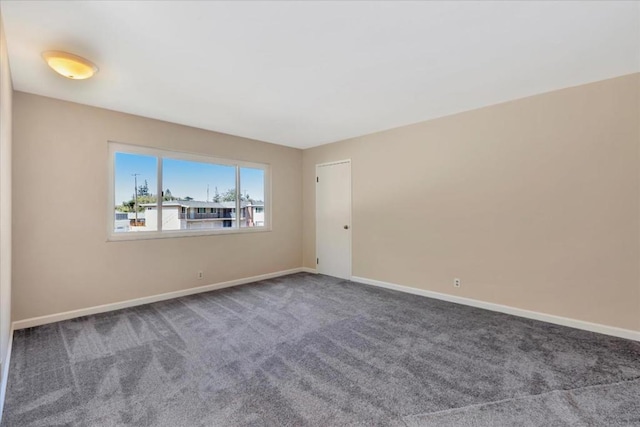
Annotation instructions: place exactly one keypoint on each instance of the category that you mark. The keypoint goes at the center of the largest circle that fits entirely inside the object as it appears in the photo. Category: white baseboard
(5, 373)
(308, 270)
(558, 320)
(51, 318)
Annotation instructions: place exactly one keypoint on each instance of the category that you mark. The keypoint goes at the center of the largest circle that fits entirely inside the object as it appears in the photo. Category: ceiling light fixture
(69, 65)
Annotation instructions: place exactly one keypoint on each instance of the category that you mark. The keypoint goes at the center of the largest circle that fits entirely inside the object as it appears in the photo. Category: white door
(333, 219)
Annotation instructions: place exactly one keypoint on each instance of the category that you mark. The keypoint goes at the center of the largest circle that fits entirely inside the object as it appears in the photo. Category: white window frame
(160, 154)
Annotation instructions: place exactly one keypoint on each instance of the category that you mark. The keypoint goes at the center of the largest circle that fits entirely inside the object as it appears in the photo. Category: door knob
(346, 227)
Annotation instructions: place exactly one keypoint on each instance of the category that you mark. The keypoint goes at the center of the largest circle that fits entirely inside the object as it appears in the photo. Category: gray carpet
(313, 350)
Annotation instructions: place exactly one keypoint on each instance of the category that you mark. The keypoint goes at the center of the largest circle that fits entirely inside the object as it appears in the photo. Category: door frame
(336, 162)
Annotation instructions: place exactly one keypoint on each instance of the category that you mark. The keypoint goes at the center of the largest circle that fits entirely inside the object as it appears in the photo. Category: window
(161, 193)
(251, 184)
(135, 180)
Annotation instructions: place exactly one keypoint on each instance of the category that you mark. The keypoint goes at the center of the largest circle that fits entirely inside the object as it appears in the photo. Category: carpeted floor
(313, 350)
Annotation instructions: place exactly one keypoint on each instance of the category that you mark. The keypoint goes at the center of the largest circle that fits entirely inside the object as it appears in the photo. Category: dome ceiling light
(69, 65)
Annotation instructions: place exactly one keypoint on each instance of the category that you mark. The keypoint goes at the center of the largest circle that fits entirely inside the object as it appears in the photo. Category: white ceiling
(307, 73)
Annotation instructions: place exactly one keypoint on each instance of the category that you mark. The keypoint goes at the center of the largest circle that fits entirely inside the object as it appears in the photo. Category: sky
(183, 178)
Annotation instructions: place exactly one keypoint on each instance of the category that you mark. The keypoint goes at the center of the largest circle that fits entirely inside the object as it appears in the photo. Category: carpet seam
(478, 405)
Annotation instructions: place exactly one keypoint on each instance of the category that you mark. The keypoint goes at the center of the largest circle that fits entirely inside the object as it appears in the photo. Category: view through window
(198, 193)
(136, 185)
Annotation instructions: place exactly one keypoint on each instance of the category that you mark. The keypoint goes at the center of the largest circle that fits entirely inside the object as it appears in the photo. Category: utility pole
(207, 192)
(135, 195)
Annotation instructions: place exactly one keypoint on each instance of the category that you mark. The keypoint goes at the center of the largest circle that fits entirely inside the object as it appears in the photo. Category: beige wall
(62, 260)
(532, 203)
(6, 92)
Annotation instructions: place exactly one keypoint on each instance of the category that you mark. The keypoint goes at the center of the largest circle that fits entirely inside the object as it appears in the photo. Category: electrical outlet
(200, 275)
(456, 283)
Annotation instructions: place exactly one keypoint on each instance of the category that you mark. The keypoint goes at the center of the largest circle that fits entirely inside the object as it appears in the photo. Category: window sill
(150, 235)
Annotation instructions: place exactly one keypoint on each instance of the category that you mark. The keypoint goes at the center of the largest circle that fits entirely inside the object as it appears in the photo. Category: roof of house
(199, 204)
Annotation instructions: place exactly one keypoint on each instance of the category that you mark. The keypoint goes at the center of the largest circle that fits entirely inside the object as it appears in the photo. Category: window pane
(135, 187)
(198, 196)
(252, 197)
